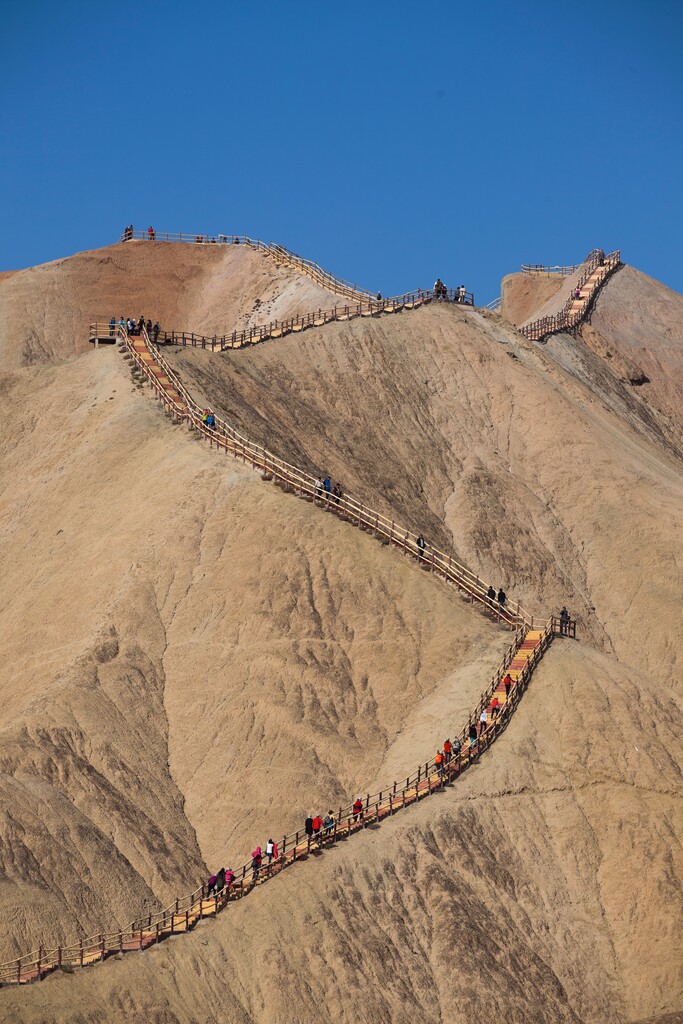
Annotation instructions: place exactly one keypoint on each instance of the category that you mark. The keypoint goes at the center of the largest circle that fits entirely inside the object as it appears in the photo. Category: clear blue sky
(390, 141)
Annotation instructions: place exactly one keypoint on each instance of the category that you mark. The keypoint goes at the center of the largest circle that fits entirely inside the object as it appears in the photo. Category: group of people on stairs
(133, 327)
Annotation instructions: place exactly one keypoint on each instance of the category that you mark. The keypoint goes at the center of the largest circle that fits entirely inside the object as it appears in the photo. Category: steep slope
(543, 887)
(166, 676)
(522, 295)
(45, 311)
(456, 425)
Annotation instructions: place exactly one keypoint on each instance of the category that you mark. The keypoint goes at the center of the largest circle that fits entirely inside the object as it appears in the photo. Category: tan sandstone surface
(191, 658)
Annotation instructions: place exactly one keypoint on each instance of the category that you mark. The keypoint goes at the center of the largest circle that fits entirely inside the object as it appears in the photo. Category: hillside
(193, 659)
(45, 311)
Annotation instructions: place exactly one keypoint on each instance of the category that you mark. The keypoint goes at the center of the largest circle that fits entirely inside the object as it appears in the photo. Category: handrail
(540, 268)
(226, 437)
(186, 910)
(567, 318)
(300, 321)
(279, 252)
(494, 305)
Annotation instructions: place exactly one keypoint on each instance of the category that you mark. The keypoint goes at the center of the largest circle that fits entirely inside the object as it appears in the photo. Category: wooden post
(81, 951)
(40, 957)
(59, 958)
(101, 947)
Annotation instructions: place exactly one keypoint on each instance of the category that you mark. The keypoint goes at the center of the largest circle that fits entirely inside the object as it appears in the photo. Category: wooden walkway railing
(521, 657)
(539, 268)
(168, 386)
(597, 267)
(185, 912)
(299, 322)
(280, 253)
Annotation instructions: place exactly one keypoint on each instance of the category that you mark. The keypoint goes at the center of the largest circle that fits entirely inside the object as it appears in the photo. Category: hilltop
(193, 658)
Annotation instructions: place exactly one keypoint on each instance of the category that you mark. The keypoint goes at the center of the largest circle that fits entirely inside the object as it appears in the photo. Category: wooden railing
(185, 911)
(539, 268)
(567, 318)
(354, 510)
(280, 253)
(299, 322)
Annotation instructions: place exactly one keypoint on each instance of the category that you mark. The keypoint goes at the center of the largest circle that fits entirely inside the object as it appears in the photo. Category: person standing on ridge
(155, 333)
(564, 621)
(151, 235)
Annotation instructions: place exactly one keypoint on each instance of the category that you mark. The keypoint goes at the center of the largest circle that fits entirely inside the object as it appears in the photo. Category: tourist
(148, 326)
(457, 747)
(308, 826)
(502, 597)
(122, 324)
(318, 487)
(337, 492)
(507, 683)
(155, 332)
(211, 887)
(358, 809)
(473, 735)
(256, 861)
(220, 880)
(211, 421)
(461, 294)
(421, 547)
(328, 822)
(577, 293)
(448, 750)
(439, 762)
(317, 824)
(564, 621)
(270, 851)
(438, 288)
(491, 594)
(495, 708)
(151, 235)
(229, 878)
(327, 485)
(112, 326)
(483, 721)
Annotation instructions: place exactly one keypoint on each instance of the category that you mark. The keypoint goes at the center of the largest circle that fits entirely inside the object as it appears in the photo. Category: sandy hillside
(45, 311)
(167, 677)
(540, 888)
(523, 294)
(192, 658)
(490, 446)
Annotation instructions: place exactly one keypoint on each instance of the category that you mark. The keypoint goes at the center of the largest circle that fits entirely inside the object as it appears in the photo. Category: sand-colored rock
(209, 289)
(197, 657)
(523, 294)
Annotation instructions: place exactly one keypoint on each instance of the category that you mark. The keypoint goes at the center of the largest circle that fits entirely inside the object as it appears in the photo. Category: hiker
(438, 288)
(308, 826)
(151, 234)
(211, 887)
(447, 750)
(379, 296)
(317, 826)
(577, 293)
(112, 326)
(358, 809)
(328, 822)
(483, 721)
(507, 683)
(205, 417)
(564, 621)
(122, 324)
(461, 294)
(131, 326)
(318, 487)
(421, 546)
(337, 492)
(502, 597)
(155, 332)
(439, 762)
(211, 421)
(256, 861)
(148, 326)
(327, 485)
(141, 324)
(457, 747)
(229, 879)
(473, 735)
(270, 851)
(220, 880)
(491, 594)
(495, 708)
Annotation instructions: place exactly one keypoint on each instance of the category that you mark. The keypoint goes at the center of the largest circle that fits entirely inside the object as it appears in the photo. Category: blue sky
(391, 142)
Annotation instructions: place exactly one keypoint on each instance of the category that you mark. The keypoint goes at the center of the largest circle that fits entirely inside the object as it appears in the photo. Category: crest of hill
(210, 289)
(194, 647)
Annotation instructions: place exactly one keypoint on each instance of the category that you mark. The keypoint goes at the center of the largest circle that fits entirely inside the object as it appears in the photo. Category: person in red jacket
(358, 809)
(448, 750)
